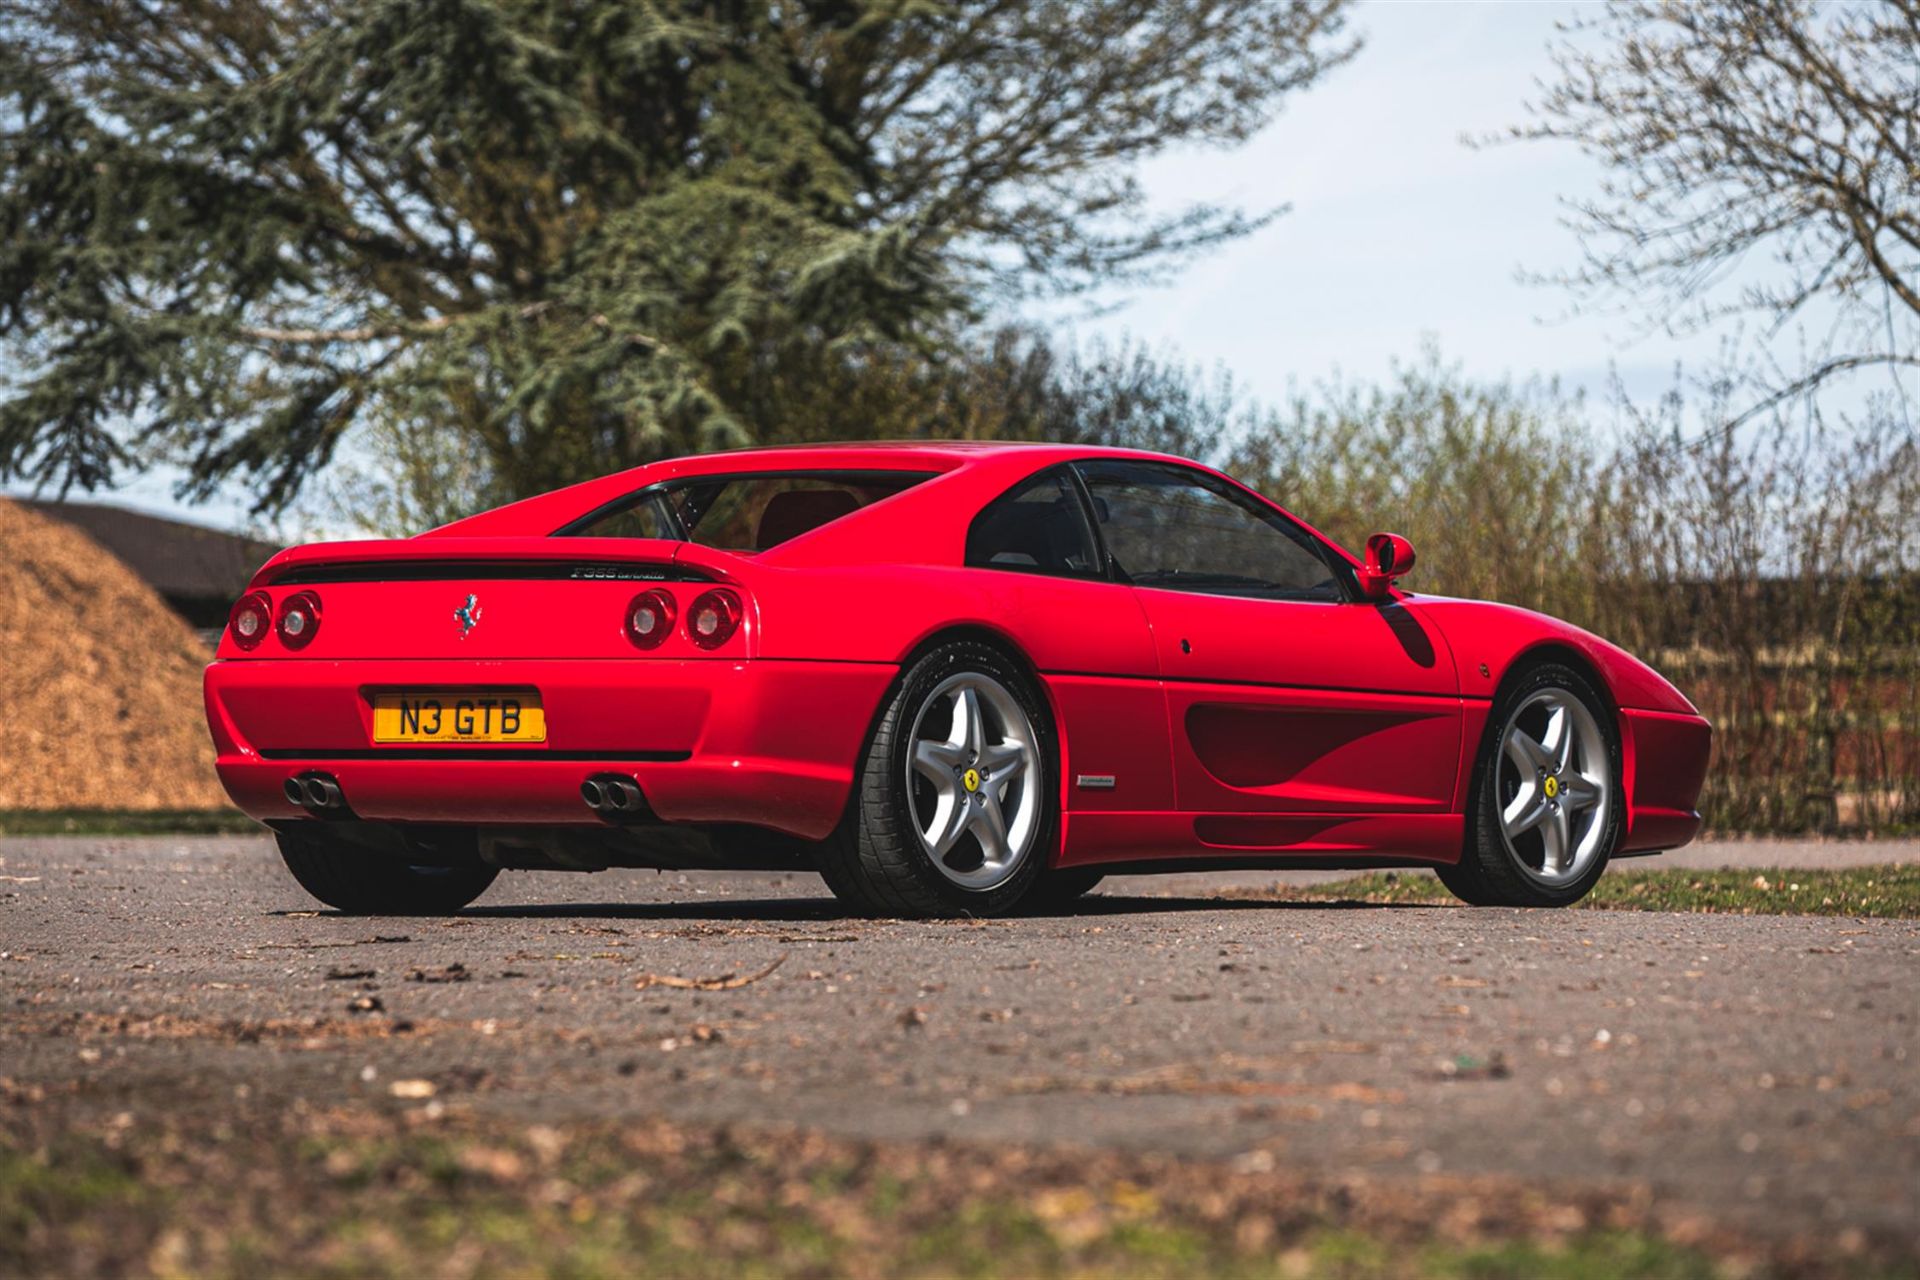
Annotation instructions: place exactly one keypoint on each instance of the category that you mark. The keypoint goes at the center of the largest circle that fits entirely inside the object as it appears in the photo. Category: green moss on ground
(1885, 892)
(108, 822)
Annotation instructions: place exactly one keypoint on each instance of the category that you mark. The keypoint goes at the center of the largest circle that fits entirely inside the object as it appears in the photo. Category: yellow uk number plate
(470, 715)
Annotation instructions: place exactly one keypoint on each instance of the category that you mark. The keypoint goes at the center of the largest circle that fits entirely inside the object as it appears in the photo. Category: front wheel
(1545, 812)
(954, 805)
(364, 882)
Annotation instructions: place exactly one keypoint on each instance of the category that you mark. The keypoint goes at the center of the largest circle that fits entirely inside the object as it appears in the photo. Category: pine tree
(572, 235)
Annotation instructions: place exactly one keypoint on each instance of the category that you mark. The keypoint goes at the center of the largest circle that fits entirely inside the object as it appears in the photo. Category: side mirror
(1388, 556)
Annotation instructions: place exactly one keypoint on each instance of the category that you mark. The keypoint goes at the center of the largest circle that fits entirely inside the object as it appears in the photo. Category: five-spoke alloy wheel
(1543, 815)
(1555, 787)
(954, 808)
(974, 781)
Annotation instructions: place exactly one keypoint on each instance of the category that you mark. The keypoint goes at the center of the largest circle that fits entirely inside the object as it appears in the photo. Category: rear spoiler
(426, 560)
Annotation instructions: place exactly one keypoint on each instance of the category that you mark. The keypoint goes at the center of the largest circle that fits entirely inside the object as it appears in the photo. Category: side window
(1170, 527)
(651, 517)
(1037, 527)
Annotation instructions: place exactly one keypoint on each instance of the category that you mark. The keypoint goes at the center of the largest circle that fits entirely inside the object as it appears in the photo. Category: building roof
(196, 569)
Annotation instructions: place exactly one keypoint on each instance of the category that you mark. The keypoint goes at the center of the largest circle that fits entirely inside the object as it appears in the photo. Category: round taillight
(713, 619)
(299, 620)
(251, 619)
(650, 618)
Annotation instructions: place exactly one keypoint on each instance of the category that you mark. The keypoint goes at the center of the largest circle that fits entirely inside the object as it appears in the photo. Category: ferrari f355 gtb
(951, 678)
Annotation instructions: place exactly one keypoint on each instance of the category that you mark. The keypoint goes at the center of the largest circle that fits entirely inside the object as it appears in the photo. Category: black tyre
(1544, 811)
(366, 882)
(954, 803)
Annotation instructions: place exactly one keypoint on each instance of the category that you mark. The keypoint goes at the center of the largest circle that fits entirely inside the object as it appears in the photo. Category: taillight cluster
(296, 623)
(650, 618)
(299, 619)
(251, 619)
(713, 619)
(710, 621)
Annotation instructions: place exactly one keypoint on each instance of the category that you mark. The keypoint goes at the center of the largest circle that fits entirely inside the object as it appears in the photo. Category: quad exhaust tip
(613, 796)
(315, 792)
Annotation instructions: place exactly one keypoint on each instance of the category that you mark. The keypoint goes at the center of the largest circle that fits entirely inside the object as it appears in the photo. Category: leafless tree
(1762, 162)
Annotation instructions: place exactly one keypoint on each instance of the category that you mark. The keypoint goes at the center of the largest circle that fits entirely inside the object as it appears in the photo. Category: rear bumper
(769, 743)
(1665, 758)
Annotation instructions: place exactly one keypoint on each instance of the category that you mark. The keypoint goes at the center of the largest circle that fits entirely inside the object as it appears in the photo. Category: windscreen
(750, 511)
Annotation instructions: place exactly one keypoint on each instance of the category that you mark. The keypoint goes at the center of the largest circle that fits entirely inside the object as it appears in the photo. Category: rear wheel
(1544, 812)
(953, 810)
(365, 882)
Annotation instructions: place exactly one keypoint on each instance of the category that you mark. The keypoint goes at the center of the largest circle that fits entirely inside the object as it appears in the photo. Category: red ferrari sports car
(952, 678)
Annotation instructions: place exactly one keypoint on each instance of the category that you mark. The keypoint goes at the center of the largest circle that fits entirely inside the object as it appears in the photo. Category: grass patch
(112, 822)
(393, 1194)
(1597, 1256)
(1882, 892)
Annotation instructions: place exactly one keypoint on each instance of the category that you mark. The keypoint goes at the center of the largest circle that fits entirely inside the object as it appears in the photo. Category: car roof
(987, 458)
(837, 452)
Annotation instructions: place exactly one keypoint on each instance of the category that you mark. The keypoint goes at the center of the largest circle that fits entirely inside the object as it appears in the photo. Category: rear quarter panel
(1087, 641)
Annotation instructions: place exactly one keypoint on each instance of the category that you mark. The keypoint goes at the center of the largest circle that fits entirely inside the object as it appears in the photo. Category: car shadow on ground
(814, 910)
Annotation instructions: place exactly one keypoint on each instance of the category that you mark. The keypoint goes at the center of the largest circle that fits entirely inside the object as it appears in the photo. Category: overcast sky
(1397, 231)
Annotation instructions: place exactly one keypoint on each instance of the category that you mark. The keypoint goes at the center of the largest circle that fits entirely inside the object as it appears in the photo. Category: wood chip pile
(99, 681)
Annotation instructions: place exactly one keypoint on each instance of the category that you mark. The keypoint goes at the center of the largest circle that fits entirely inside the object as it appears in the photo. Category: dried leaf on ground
(725, 982)
(455, 972)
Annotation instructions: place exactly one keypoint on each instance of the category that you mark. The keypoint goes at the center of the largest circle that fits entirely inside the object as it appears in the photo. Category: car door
(1286, 693)
(1089, 638)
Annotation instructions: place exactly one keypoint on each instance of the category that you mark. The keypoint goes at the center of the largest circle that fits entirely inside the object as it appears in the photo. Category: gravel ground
(1757, 1069)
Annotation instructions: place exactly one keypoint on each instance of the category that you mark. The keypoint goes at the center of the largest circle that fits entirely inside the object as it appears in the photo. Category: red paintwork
(1665, 766)
(1389, 558)
(1236, 729)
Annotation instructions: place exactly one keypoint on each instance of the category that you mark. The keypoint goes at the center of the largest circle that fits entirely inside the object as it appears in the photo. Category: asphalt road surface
(1761, 1070)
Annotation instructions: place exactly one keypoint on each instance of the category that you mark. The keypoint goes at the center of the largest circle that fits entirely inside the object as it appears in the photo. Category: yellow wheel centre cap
(1551, 787)
(972, 778)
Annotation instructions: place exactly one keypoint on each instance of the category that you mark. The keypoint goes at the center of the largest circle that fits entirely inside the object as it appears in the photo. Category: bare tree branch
(1761, 156)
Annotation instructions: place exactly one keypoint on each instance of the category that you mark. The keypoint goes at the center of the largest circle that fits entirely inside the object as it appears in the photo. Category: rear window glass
(747, 512)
